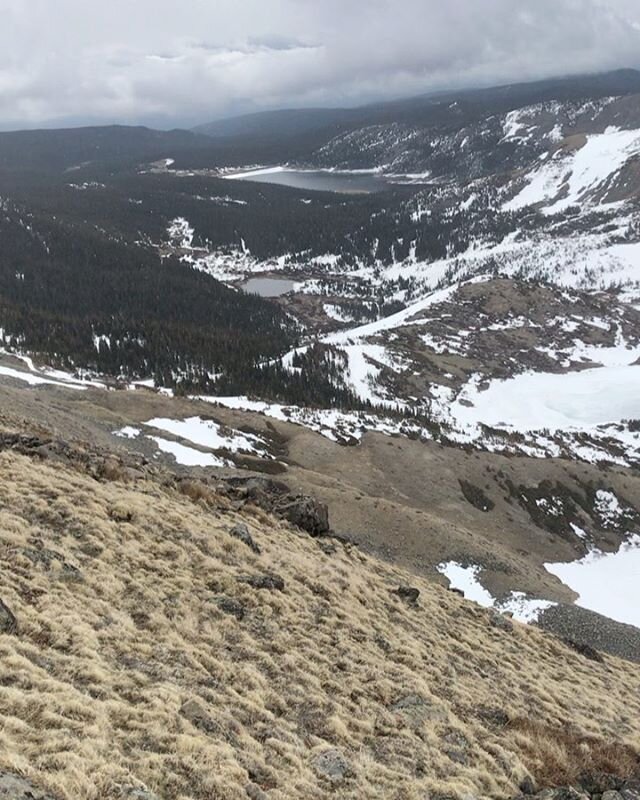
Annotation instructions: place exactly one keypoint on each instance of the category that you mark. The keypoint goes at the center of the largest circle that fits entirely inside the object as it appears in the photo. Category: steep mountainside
(165, 638)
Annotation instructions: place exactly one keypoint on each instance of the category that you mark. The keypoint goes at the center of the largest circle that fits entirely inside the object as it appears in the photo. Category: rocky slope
(168, 638)
(509, 518)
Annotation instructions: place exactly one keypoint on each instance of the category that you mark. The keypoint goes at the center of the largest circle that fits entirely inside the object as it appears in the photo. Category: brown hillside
(150, 648)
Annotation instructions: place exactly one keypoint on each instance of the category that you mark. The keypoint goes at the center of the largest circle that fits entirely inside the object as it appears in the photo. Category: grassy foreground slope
(154, 654)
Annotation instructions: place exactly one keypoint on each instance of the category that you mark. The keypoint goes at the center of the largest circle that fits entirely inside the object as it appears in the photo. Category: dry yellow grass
(117, 590)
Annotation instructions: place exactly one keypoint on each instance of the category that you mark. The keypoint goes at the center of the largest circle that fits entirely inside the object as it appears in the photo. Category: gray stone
(631, 790)
(612, 795)
(408, 593)
(241, 532)
(562, 793)
(307, 514)
(332, 765)
(13, 787)
(8, 622)
(598, 782)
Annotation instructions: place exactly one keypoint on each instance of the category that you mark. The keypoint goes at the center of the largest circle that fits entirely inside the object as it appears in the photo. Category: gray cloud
(161, 61)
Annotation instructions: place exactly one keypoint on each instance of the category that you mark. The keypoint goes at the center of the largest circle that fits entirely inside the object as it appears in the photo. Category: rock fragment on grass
(8, 622)
(408, 593)
(241, 532)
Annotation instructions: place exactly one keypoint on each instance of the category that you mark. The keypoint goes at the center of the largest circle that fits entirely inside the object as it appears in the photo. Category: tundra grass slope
(155, 650)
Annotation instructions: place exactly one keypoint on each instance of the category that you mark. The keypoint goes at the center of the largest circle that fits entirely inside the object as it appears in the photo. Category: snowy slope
(580, 177)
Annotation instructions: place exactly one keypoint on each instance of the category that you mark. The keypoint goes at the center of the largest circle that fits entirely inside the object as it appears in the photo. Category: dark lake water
(341, 182)
(268, 287)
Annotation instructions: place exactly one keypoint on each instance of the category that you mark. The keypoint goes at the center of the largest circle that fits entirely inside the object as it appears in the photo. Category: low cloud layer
(162, 62)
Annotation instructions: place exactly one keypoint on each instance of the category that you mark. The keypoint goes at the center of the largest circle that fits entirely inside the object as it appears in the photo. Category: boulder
(307, 514)
(275, 497)
(232, 607)
(562, 793)
(598, 782)
(631, 790)
(241, 532)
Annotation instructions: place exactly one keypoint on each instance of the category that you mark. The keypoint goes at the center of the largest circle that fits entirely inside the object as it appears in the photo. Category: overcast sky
(186, 61)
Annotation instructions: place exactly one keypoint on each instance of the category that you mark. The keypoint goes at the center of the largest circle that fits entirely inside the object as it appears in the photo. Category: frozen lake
(557, 402)
(608, 583)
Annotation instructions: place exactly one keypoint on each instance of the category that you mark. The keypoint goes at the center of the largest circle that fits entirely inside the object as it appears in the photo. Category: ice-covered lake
(608, 583)
(556, 401)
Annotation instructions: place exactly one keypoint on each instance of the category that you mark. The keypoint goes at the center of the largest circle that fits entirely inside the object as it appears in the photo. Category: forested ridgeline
(80, 299)
(84, 299)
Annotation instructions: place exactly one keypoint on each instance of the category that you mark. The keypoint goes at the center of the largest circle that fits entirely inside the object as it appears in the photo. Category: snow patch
(207, 433)
(188, 456)
(128, 432)
(537, 401)
(466, 580)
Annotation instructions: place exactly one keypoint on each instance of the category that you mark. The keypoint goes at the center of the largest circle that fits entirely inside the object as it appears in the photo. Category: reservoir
(340, 182)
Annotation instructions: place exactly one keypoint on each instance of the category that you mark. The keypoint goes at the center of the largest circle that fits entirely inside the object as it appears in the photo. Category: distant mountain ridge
(433, 108)
(66, 148)
(288, 135)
